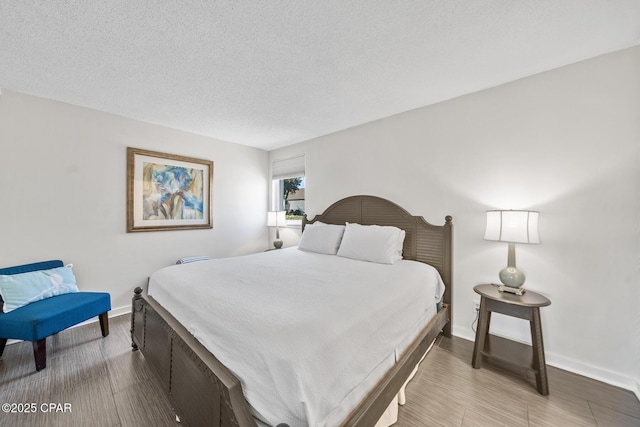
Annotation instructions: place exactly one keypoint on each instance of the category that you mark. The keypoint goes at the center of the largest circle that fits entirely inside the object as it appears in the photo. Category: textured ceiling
(272, 73)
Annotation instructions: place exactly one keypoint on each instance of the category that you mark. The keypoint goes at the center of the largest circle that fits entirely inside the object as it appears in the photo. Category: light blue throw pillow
(24, 288)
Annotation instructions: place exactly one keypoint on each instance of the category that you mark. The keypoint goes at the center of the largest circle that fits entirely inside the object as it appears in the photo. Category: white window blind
(288, 168)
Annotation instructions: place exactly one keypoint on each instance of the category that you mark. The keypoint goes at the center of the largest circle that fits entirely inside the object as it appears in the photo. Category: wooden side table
(502, 351)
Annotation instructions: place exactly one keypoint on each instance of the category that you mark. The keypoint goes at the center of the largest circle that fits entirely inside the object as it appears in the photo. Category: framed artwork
(168, 192)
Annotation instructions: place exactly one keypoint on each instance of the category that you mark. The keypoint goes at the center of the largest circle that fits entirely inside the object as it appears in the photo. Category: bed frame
(204, 392)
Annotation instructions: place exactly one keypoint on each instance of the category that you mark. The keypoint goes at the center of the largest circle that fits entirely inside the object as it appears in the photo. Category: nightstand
(504, 352)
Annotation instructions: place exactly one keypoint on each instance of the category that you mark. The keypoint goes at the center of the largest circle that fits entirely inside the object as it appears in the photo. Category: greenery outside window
(288, 188)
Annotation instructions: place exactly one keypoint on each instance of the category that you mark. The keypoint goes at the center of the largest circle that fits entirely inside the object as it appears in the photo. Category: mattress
(307, 334)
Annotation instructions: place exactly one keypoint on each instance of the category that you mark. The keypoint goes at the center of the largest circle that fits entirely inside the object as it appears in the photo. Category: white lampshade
(512, 226)
(276, 219)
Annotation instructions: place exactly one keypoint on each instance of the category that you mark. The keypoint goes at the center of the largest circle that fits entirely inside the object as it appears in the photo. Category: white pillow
(321, 238)
(374, 243)
(400, 245)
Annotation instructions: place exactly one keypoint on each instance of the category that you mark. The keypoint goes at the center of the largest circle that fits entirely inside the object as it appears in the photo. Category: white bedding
(307, 334)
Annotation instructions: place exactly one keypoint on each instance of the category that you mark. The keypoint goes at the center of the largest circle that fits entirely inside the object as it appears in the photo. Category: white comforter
(307, 334)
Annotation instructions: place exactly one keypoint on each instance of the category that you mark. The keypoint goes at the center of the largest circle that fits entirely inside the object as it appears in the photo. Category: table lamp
(276, 219)
(513, 227)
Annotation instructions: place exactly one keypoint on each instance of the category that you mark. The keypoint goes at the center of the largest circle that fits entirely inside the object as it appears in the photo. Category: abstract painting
(167, 192)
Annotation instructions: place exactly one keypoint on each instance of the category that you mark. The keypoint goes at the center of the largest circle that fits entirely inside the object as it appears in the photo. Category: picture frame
(168, 192)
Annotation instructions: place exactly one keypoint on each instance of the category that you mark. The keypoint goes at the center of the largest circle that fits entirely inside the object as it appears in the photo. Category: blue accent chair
(36, 321)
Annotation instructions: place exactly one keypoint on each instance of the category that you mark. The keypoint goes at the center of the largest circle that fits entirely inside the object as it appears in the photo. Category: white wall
(63, 191)
(566, 143)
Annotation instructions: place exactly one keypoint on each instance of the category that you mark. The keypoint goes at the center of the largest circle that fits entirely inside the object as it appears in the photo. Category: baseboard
(114, 312)
(463, 333)
(604, 375)
(575, 366)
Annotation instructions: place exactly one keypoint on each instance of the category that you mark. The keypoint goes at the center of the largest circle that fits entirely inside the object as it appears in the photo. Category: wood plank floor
(447, 391)
(101, 379)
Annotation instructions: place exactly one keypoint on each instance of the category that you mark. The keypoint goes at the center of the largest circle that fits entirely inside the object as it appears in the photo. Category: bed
(211, 382)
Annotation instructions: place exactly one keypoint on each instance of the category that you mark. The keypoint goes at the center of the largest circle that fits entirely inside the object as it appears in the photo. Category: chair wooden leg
(104, 323)
(40, 354)
(3, 342)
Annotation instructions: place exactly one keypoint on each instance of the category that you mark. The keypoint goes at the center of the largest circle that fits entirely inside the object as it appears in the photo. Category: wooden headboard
(424, 242)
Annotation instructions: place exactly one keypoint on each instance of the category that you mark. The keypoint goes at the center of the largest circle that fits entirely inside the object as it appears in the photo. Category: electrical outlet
(476, 305)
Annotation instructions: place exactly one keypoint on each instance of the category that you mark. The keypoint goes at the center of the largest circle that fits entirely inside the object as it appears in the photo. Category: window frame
(277, 200)
(281, 169)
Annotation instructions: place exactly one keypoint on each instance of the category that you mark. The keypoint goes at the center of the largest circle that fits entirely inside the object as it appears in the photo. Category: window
(288, 188)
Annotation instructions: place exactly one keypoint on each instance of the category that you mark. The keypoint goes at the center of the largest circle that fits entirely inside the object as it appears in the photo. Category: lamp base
(516, 291)
(511, 276)
(277, 243)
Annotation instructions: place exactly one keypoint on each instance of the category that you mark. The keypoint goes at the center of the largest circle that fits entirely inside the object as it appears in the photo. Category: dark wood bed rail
(204, 392)
(376, 402)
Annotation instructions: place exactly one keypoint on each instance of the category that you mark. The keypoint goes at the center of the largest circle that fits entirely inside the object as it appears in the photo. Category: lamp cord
(475, 321)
